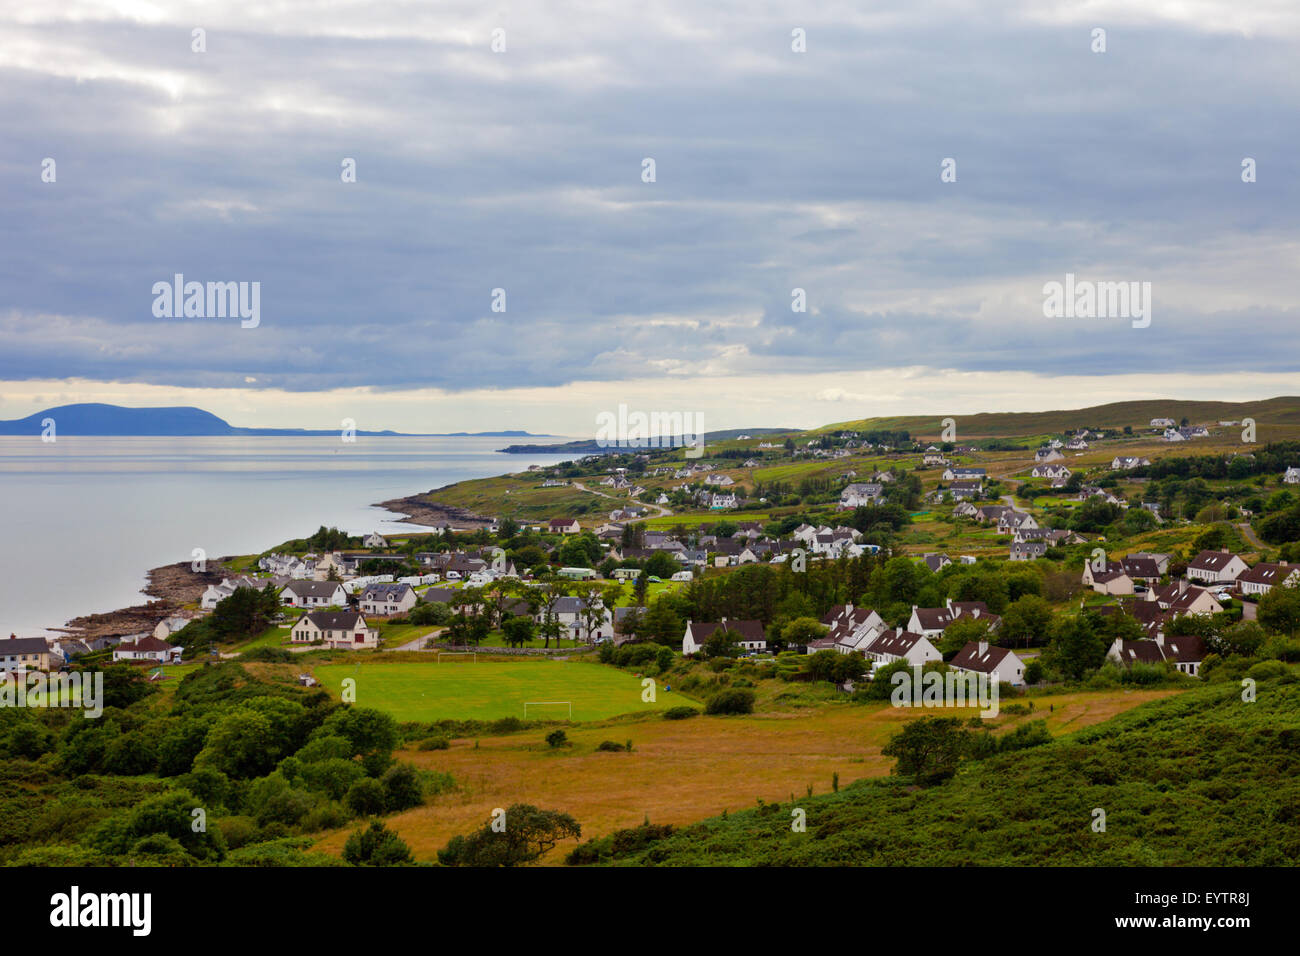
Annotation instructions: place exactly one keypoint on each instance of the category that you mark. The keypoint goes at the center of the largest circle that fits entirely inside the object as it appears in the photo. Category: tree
(661, 565)
(1279, 610)
(246, 613)
(1025, 621)
(804, 630)
(961, 632)
(376, 846)
(518, 630)
(663, 624)
(929, 750)
(1075, 648)
(525, 834)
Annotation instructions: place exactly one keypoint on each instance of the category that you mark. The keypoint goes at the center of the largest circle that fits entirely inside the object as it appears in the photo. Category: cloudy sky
(522, 170)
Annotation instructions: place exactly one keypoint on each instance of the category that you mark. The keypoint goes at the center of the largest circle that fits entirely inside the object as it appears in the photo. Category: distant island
(591, 446)
(94, 419)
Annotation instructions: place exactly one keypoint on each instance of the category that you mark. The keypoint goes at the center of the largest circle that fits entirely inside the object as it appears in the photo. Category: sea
(83, 519)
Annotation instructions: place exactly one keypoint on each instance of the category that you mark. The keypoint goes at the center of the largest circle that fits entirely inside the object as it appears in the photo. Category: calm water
(83, 519)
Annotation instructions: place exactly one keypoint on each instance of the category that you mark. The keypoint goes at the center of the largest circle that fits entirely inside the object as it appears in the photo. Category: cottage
(147, 650)
(895, 645)
(1112, 579)
(1027, 550)
(1263, 577)
(1292, 476)
(998, 664)
(20, 654)
(1185, 653)
(748, 635)
(341, 630)
(860, 494)
(564, 526)
(1215, 567)
(313, 594)
(387, 599)
(1120, 463)
(1179, 597)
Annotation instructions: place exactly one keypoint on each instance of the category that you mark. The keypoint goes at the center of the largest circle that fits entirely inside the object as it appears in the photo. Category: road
(660, 508)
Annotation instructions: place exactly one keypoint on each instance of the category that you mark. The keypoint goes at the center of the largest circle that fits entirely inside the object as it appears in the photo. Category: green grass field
(459, 689)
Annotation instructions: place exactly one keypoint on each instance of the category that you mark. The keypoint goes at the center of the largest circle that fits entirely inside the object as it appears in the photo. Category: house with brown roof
(1216, 567)
(1179, 597)
(749, 635)
(851, 629)
(898, 645)
(933, 621)
(997, 663)
(1112, 579)
(148, 650)
(564, 526)
(1263, 577)
(1184, 653)
(342, 630)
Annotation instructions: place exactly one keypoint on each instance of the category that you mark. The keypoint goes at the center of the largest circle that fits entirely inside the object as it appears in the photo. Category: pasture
(460, 689)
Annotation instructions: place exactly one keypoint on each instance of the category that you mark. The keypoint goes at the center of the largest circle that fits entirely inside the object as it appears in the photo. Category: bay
(83, 519)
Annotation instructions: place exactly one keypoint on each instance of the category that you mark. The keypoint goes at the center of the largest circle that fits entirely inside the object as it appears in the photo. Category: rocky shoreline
(417, 509)
(175, 585)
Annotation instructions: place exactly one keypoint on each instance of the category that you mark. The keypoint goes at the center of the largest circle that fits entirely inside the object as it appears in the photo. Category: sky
(522, 168)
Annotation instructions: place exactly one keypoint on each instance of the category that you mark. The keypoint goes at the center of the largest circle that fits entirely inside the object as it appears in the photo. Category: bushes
(434, 743)
(731, 701)
(366, 798)
(679, 713)
(557, 738)
(376, 846)
(611, 745)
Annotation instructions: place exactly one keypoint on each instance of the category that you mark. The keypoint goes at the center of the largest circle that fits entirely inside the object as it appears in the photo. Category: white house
(147, 649)
(313, 594)
(1263, 577)
(374, 540)
(1215, 567)
(997, 663)
(748, 635)
(387, 599)
(895, 645)
(1292, 476)
(860, 494)
(342, 630)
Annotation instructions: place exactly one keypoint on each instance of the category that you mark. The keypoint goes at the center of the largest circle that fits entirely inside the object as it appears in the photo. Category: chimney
(984, 648)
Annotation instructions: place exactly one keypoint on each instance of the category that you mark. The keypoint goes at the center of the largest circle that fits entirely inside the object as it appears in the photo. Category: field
(683, 771)
(460, 689)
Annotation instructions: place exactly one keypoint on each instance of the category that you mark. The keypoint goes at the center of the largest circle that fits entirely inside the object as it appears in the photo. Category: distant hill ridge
(95, 419)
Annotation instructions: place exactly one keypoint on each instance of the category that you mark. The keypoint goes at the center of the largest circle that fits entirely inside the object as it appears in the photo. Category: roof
(971, 658)
(1265, 573)
(1211, 560)
(895, 642)
(146, 645)
(335, 620)
(743, 630)
(313, 588)
(373, 591)
(1140, 567)
(24, 645)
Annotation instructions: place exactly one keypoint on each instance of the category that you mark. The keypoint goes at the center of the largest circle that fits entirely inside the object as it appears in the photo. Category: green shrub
(557, 738)
(679, 713)
(732, 701)
(611, 745)
(434, 743)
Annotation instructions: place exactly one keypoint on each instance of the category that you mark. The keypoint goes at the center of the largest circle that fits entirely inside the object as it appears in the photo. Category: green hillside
(1274, 411)
(1197, 779)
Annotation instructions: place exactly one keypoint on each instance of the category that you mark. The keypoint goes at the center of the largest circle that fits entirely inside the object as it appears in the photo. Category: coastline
(175, 585)
(419, 510)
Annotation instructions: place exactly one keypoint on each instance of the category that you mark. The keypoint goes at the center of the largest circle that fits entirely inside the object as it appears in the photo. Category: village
(586, 579)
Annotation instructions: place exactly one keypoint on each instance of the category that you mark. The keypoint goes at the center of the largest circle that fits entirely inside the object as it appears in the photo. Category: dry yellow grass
(682, 771)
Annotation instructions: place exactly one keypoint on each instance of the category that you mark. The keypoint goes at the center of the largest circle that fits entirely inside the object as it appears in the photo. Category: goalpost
(472, 654)
(548, 703)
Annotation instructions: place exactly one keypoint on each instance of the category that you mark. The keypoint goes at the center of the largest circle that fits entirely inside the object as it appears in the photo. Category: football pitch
(460, 689)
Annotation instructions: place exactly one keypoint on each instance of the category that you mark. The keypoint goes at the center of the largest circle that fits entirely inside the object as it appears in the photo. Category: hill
(1197, 779)
(1284, 410)
(95, 419)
